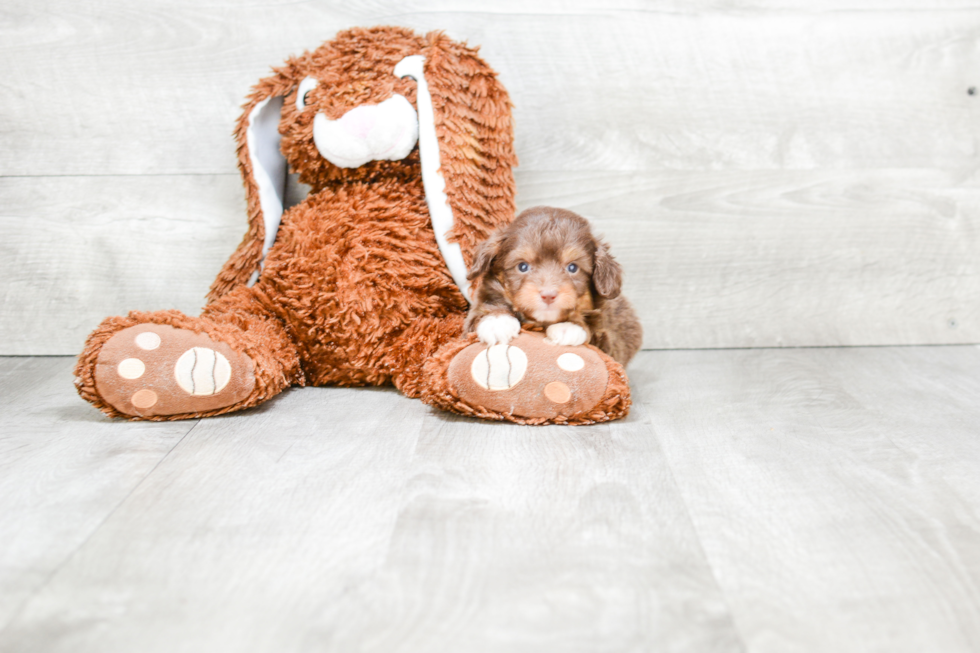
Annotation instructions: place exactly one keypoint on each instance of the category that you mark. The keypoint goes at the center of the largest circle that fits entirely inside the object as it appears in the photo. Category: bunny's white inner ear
(268, 167)
(440, 212)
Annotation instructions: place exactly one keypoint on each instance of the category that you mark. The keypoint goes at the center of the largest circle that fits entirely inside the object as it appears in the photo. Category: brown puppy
(547, 269)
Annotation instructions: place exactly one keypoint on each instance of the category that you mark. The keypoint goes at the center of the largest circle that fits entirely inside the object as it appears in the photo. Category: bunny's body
(359, 284)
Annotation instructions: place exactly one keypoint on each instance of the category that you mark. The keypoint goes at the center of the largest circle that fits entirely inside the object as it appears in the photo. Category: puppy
(547, 269)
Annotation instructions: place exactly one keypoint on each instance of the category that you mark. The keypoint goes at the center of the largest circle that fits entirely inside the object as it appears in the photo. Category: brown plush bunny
(406, 143)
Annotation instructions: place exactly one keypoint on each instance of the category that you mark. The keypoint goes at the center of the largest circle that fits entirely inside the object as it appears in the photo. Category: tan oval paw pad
(144, 398)
(571, 362)
(131, 368)
(558, 392)
(147, 340)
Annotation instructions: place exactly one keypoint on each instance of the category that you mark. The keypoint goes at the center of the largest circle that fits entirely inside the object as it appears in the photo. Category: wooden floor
(757, 500)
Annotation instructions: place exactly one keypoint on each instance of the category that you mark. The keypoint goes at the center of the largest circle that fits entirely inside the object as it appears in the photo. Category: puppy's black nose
(548, 296)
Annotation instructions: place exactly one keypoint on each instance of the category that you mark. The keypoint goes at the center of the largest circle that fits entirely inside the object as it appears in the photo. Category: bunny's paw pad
(156, 369)
(530, 378)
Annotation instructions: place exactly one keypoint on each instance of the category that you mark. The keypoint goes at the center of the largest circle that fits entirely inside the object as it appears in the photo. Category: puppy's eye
(523, 267)
(572, 268)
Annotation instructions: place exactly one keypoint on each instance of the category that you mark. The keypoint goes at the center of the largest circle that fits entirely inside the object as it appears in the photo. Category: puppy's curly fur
(547, 269)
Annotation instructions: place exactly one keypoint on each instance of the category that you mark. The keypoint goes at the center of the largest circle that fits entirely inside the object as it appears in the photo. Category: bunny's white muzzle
(378, 132)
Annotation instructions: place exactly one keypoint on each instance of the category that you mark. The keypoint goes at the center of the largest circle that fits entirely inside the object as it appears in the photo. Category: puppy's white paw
(566, 333)
(498, 329)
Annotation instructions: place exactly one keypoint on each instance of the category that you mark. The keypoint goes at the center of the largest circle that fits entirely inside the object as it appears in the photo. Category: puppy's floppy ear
(484, 255)
(607, 274)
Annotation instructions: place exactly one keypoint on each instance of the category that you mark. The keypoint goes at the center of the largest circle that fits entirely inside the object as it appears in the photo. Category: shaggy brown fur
(473, 126)
(547, 267)
(355, 290)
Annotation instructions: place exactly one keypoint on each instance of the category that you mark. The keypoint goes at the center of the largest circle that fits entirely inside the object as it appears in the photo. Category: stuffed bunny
(406, 143)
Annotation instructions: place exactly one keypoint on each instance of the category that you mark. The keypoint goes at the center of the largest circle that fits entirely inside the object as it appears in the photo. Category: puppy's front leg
(567, 333)
(498, 329)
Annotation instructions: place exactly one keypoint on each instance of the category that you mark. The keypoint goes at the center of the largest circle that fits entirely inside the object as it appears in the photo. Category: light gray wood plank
(63, 470)
(744, 91)
(534, 539)
(770, 239)
(155, 87)
(356, 519)
(787, 258)
(835, 491)
(78, 249)
(721, 259)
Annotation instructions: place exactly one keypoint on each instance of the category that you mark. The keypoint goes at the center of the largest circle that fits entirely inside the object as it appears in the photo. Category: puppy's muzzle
(379, 132)
(548, 295)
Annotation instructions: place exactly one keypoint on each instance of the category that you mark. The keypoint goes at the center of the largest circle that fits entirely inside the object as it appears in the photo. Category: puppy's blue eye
(572, 268)
(523, 267)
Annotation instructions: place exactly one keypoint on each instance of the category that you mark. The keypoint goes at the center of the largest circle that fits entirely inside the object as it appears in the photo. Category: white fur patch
(377, 132)
(566, 333)
(546, 315)
(498, 329)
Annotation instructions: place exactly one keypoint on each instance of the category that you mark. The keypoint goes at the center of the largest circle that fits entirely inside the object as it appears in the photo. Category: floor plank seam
(694, 526)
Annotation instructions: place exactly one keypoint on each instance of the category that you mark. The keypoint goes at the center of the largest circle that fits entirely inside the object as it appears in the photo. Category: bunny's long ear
(466, 146)
(263, 169)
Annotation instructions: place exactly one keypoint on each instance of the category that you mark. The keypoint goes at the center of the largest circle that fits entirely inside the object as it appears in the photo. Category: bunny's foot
(152, 370)
(529, 381)
(165, 365)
